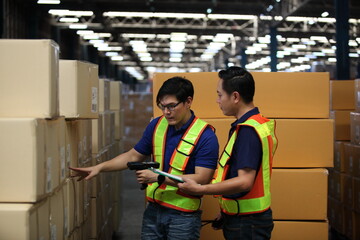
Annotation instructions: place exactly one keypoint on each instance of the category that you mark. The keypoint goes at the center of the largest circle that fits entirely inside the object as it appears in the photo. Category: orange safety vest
(259, 197)
(166, 195)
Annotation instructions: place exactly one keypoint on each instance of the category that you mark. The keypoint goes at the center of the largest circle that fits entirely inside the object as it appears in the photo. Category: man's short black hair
(177, 86)
(237, 79)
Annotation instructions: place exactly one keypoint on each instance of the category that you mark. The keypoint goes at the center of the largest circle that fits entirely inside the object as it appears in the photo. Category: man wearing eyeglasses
(183, 145)
(242, 179)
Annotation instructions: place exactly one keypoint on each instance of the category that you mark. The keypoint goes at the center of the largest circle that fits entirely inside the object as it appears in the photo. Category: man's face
(174, 110)
(224, 100)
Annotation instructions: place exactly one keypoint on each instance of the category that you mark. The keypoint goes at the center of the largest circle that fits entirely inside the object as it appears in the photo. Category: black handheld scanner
(142, 166)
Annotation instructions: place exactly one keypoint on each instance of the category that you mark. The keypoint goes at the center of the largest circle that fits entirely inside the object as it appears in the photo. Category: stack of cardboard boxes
(79, 104)
(107, 143)
(300, 104)
(47, 107)
(344, 182)
(32, 145)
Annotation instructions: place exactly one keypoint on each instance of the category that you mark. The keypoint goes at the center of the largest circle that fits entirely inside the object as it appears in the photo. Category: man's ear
(189, 101)
(236, 96)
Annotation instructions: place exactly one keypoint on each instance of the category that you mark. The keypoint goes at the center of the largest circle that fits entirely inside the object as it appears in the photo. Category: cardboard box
(339, 156)
(342, 95)
(104, 95)
(107, 128)
(336, 214)
(342, 124)
(119, 124)
(22, 152)
(79, 87)
(300, 230)
(97, 133)
(57, 212)
(96, 216)
(112, 127)
(355, 164)
(285, 100)
(315, 151)
(356, 184)
(348, 223)
(299, 194)
(72, 142)
(115, 95)
(355, 127)
(316, 138)
(64, 164)
(347, 190)
(24, 221)
(334, 185)
(70, 205)
(52, 150)
(352, 159)
(33, 90)
(79, 208)
(86, 133)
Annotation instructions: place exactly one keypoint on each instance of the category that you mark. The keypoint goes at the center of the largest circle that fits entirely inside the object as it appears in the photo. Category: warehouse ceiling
(143, 36)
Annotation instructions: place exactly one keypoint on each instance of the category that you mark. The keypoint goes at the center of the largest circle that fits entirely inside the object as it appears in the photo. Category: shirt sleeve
(207, 150)
(144, 146)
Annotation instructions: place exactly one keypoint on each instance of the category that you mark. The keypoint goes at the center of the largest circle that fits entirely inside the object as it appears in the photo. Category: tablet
(173, 177)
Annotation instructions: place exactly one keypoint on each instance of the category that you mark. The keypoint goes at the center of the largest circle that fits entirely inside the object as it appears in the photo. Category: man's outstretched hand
(84, 173)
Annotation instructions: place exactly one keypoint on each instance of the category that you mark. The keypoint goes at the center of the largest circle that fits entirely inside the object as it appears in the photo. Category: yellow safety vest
(259, 197)
(166, 195)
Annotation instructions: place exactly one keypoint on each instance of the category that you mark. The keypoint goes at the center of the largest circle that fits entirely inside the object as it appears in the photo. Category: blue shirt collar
(245, 117)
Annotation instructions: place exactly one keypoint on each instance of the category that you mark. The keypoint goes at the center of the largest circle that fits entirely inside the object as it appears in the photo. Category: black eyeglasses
(170, 107)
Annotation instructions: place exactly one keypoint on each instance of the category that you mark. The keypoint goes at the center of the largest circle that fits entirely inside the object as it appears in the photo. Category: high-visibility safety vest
(166, 195)
(259, 198)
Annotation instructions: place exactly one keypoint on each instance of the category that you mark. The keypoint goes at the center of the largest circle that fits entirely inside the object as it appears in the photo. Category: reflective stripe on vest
(166, 195)
(259, 197)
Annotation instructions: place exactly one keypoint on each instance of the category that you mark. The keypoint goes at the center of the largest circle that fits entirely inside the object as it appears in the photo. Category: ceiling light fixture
(69, 20)
(154, 15)
(78, 26)
(48, 2)
(65, 12)
(325, 14)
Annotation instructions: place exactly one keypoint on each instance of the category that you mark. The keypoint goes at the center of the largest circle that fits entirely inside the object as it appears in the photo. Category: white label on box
(94, 99)
(62, 162)
(48, 175)
(358, 98)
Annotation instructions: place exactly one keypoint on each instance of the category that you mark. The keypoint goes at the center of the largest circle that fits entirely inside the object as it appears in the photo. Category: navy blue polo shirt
(205, 153)
(247, 151)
